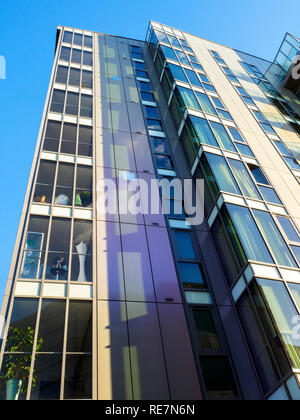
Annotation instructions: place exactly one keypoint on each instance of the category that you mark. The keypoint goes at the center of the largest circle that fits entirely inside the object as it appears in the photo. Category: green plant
(18, 356)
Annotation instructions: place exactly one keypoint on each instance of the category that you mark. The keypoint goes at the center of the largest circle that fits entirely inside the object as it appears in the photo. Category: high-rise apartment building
(150, 306)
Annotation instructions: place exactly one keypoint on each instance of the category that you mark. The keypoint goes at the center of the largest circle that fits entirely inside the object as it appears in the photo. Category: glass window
(74, 78)
(228, 246)
(258, 343)
(88, 41)
(87, 79)
(193, 78)
(289, 229)
(274, 239)
(292, 163)
(22, 326)
(174, 41)
(139, 66)
(248, 100)
(209, 87)
(205, 103)
(189, 98)
(151, 112)
(258, 174)
(65, 53)
(76, 56)
(224, 114)
(282, 149)
(244, 149)
(218, 378)
(154, 124)
(260, 117)
(222, 173)
(45, 181)
(191, 275)
(203, 131)
(36, 239)
(247, 185)
(249, 234)
(86, 106)
(145, 86)
(295, 291)
(204, 78)
(60, 235)
(142, 74)
(223, 138)
(48, 376)
(80, 327)
(52, 136)
(196, 65)
(161, 36)
(232, 78)
(52, 325)
(164, 162)
(269, 195)
(168, 52)
(268, 128)
(58, 100)
(146, 96)
(62, 74)
(159, 145)
(207, 333)
(241, 91)
(189, 142)
(68, 144)
(216, 101)
(77, 39)
(82, 251)
(68, 36)
(64, 184)
(87, 58)
(78, 377)
(284, 312)
(84, 186)
(296, 250)
(72, 103)
(184, 245)
(182, 58)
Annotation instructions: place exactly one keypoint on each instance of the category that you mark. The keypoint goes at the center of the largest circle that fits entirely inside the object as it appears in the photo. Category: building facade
(148, 306)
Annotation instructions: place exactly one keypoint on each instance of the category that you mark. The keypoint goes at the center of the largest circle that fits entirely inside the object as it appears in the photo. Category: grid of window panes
(49, 348)
(226, 174)
(51, 338)
(260, 118)
(242, 234)
(266, 309)
(74, 70)
(209, 344)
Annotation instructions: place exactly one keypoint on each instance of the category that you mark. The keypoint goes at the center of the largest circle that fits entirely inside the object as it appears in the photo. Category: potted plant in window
(17, 362)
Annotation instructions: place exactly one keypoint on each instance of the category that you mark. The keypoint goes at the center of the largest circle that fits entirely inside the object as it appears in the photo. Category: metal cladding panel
(149, 377)
(182, 374)
(137, 122)
(137, 269)
(124, 151)
(109, 261)
(114, 361)
(142, 153)
(164, 274)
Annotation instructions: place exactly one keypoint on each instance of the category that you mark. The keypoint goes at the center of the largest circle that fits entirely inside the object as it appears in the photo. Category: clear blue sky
(27, 37)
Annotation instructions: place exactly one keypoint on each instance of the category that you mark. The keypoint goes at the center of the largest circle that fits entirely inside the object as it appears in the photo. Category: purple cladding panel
(149, 376)
(164, 274)
(124, 151)
(109, 261)
(137, 270)
(142, 153)
(181, 369)
(151, 219)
